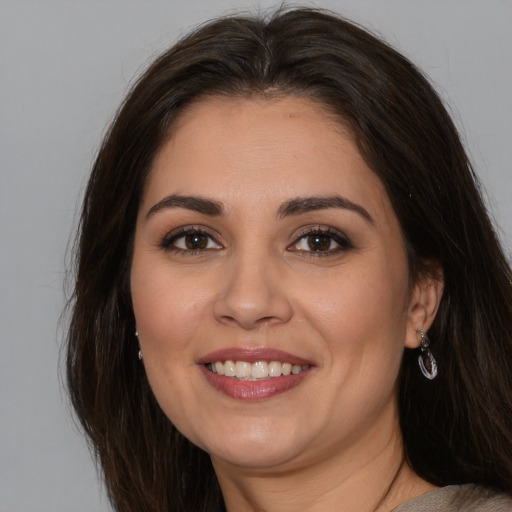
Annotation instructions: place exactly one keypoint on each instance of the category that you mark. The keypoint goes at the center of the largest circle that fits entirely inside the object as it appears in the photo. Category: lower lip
(252, 390)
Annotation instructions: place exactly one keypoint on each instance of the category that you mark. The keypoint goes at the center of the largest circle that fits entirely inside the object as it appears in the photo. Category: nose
(254, 294)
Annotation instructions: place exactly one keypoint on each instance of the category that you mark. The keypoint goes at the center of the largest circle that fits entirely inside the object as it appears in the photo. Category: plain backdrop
(64, 67)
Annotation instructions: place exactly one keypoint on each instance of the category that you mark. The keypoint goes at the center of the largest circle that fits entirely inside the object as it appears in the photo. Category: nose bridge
(253, 294)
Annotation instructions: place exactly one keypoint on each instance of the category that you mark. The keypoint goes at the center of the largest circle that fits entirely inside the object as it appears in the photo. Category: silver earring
(428, 365)
(140, 351)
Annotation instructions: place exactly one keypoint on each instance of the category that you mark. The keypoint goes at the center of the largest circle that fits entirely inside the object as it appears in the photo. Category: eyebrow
(301, 205)
(194, 203)
(296, 206)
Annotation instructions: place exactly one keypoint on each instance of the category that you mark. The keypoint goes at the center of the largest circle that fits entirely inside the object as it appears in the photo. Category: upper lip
(252, 355)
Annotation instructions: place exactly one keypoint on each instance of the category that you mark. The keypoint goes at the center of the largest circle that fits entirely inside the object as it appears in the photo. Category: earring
(428, 365)
(140, 351)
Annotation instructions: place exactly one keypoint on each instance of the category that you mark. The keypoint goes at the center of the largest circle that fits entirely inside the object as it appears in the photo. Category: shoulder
(459, 498)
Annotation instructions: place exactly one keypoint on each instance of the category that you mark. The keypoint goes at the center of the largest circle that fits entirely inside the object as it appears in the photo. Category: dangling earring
(140, 351)
(426, 360)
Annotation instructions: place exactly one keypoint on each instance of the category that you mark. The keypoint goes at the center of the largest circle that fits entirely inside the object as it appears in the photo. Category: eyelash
(333, 235)
(168, 243)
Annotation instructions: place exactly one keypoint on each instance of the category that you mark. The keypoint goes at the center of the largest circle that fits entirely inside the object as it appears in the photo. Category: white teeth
(274, 369)
(287, 369)
(243, 370)
(296, 369)
(259, 370)
(229, 369)
(255, 371)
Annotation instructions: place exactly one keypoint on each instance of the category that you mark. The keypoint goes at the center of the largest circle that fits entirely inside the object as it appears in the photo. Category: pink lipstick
(253, 374)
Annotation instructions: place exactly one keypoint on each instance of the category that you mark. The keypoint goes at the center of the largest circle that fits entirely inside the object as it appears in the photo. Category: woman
(289, 295)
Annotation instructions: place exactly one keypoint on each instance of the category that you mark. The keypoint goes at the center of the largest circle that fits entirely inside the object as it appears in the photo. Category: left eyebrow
(301, 205)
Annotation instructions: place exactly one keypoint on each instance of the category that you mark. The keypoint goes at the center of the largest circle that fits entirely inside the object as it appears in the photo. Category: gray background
(65, 66)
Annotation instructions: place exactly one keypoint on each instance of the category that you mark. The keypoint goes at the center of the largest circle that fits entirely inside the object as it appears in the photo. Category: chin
(256, 447)
(254, 457)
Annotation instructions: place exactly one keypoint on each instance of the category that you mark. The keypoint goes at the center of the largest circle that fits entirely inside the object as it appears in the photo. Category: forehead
(274, 148)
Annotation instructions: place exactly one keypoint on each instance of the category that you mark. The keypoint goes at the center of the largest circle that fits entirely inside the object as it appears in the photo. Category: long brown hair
(456, 428)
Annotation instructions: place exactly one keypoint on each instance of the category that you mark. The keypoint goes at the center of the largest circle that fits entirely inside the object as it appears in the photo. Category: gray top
(458, 498)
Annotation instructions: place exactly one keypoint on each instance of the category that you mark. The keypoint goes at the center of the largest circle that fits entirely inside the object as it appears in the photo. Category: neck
(371, 476)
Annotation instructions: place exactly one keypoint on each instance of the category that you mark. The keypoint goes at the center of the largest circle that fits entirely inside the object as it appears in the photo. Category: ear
(424, 303)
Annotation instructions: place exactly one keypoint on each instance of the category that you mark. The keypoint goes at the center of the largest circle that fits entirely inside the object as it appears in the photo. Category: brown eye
(190, 240)
(319, 242)
(195, 241)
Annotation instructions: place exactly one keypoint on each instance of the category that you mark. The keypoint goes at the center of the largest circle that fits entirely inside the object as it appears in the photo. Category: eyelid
(339, 237)
(343, 243)
(167, 241)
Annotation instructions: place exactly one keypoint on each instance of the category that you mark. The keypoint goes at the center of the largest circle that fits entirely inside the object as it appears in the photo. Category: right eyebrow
(194, 203)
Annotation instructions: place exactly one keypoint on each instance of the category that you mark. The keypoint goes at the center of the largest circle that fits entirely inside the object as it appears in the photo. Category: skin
(348, 309)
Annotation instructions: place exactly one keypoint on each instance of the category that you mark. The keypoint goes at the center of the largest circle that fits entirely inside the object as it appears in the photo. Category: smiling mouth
(259, 370)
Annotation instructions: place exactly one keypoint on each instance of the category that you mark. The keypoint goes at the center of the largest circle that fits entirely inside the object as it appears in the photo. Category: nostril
(251, 317)
(252, 295)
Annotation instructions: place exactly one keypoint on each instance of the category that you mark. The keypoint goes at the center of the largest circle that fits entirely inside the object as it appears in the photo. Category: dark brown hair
(456, 428)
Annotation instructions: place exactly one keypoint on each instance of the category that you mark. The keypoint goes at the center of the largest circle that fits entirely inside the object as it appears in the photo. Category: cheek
(355, 301)
(167, 309)
(167, 314)
(361, 316)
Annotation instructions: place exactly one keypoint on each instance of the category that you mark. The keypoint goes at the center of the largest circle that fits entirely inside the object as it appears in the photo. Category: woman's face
(270, 285)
